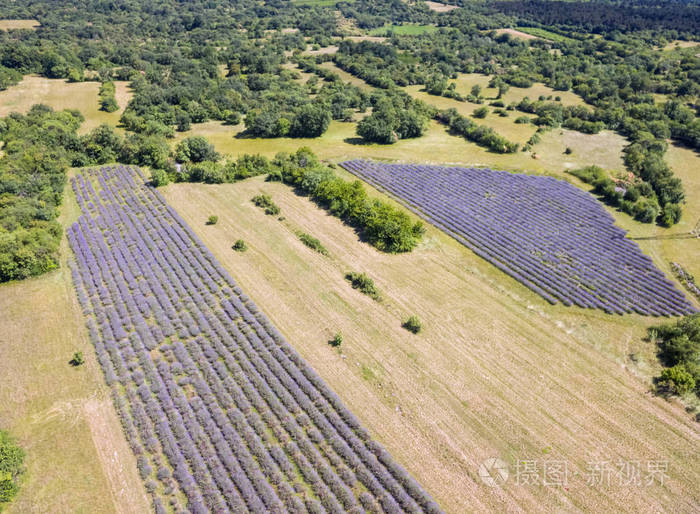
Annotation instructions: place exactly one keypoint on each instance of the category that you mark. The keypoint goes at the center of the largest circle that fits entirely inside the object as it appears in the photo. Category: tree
(212, 220)
(481, 112)
(676, 380)
(195, 149)
(311, 120)
(11, 467)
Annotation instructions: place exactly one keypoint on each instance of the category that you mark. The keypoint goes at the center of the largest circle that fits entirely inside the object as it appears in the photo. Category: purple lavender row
(551, 236)
(218, 408)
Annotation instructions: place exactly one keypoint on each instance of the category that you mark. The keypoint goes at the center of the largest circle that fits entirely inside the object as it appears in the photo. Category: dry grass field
(439, 7)
(516, 34)
(19, 24)
(60, 94)
(496, 372)
(78, 460)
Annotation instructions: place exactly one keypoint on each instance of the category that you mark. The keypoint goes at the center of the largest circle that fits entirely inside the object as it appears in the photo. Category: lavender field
(546, 233)
(221, 412)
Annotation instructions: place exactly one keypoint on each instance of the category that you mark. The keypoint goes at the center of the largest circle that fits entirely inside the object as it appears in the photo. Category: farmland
(471, 385)
(349, 256)
(222, 376)
(525, 226)
(62, 415)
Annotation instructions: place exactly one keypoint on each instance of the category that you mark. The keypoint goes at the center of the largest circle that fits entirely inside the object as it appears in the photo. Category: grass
(407, 29)
(60, 94)
(544, 34)
(77, 457)
(19, 24)
(496, 371)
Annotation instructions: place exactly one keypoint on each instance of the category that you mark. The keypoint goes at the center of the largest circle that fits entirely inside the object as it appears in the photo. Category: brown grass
(516, 33)
(496, 372)
(77, 457)
(19, 24)
(438, 7)
(60, 94)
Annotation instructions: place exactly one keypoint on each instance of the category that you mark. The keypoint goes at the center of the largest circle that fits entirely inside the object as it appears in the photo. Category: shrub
(312, 243)
(159, 178)
(240, 246)
(676, 380)
(337, 340)
(522, 120)
(212, 220)
(413, 324)
(568, 150)
(481, 112)
(77, 359)
(265, 202)
(363, 283)
(11, 468)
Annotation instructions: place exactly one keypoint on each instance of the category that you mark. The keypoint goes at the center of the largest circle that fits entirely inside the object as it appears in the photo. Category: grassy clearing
(678, 44)
(543, 34)
(465, 81)
(19, 24)
(347, 77)
(439, 7)
(408, 29)
(60, 94)
(77, 457)
(495, 371)
(518, 34)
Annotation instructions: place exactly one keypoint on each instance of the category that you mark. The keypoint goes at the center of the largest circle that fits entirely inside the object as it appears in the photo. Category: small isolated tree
(77, 360)
(212, 220)
(413, 324)
(481, 112)
(240, 246)
(337, 340)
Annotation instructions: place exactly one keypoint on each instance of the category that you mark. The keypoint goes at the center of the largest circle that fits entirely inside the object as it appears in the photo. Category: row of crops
(221, 412)
(547, 234)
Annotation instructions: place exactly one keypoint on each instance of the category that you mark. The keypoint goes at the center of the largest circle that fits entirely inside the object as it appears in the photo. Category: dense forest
(237, 61)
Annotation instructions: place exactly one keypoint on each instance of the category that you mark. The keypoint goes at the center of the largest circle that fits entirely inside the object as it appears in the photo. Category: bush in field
(675, 380)
(240, 246)
(336, 341)
(212, 220)
(265, 202)
(11, 468)
(413, 324)
(312, 243)
(77, 359)
(481, 112)
(363, 283)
